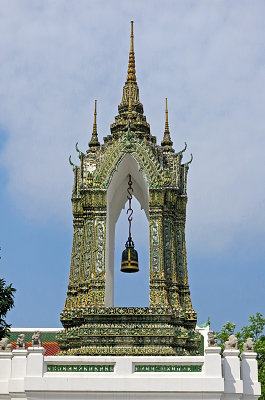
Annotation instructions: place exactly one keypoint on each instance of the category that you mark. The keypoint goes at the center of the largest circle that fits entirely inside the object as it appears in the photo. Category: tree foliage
(6, 303)
(255, 330)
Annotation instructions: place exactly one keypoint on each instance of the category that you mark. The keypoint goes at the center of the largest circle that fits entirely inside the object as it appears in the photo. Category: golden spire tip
(131, 65)
(132, 44)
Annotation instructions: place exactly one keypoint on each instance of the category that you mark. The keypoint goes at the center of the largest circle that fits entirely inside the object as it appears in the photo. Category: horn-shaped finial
(78, 151)
(71, 163)
(191, 158)
(182, 151)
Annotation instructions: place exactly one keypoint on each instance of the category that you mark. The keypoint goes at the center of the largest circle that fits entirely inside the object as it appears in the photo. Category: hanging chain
(130, 210)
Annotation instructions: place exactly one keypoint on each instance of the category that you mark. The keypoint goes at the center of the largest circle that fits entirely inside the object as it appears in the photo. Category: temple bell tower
(92, 326)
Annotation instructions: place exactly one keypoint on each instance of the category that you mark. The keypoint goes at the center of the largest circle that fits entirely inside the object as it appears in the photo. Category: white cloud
(206, 57)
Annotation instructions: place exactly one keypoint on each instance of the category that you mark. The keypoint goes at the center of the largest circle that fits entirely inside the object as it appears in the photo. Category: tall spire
(130, 102)
(94, 142)
(166, 121)
(167, 142)
(130, 106)
(131, 76)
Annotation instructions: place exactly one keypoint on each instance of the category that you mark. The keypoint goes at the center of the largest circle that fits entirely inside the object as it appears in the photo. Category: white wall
(24, 375)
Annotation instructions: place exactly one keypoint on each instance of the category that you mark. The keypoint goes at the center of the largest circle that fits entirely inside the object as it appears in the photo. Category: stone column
(231, 370)
(35, 364)
(249, 374)
(213, 365)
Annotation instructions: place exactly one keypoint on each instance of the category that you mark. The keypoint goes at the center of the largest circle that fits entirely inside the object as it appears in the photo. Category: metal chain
(130, 210)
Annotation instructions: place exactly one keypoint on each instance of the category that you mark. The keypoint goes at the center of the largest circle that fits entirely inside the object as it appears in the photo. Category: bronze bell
(129, 258)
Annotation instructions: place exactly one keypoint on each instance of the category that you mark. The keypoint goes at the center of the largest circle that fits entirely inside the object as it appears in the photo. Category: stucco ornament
(5, 345)
(231, 343)
(21, 341)
(36, 339)
(248, 345)
(212, 339)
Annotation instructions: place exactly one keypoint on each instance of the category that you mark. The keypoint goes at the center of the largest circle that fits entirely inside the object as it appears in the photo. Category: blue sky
(207, 57)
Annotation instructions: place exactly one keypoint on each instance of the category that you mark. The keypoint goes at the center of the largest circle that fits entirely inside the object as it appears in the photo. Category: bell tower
(92, 326)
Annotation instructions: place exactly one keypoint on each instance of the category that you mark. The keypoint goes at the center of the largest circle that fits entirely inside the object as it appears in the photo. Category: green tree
(6, 303)
(255, 330)
(227, 330)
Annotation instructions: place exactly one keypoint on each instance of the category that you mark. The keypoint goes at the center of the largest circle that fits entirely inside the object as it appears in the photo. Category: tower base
(128, 331)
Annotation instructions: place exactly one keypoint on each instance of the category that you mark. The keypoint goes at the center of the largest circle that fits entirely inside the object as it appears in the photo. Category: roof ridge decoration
(80, 153)
(72, 164)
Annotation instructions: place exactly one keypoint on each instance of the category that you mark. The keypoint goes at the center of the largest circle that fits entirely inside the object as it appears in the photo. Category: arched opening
(132, 290)
(116, 199)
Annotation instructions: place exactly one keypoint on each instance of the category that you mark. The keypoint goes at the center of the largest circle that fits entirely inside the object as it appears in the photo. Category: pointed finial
(95, 120)
(130, 102)
(167, 142)
(131, 65)
(94, 142)
(166, 121)
(132, 48)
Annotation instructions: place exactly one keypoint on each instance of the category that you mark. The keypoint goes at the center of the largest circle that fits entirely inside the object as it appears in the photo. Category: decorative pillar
(158, 290)
(157, 278)
(249, 374)
(19, 363)
(213, 366)
(5, 371)
(97, 289)
(19, 370)
(181, 261)
(35, 364)
(231, 371)
(171, 273)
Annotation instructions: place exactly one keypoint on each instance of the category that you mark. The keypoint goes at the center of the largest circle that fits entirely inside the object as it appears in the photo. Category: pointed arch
(116, 199)
(150, 167)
